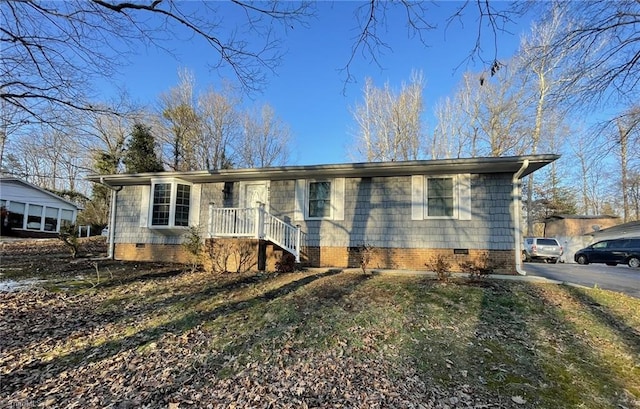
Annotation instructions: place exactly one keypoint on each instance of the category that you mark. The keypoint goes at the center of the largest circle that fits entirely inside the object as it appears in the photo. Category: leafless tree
(602, 39)
(627, 140)
(544, 73)
(221, 127)
(181, 123)
(490, 113)
(49, 159)
(9, 124)
(265, 140)
(448, 139)
(389, 123)
(52, 51)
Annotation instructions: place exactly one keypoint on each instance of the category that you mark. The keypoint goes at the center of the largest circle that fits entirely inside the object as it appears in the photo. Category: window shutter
(145, 195)
(417, 197)
(298, 212)
(337, 199)
(194, 205)
(464, 196)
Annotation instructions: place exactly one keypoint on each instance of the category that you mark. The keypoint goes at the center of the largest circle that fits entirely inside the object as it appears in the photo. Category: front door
(254, 192)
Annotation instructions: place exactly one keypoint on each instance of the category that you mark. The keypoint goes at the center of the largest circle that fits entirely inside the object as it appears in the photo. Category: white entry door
(255, 192)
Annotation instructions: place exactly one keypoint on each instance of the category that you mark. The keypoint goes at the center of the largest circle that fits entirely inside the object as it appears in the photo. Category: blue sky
(308, 90)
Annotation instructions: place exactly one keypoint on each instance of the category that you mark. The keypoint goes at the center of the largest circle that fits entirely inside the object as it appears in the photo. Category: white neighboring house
(31, 211)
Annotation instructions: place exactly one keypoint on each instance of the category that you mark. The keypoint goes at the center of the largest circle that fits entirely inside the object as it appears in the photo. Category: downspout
(517, 222)
(112, 219)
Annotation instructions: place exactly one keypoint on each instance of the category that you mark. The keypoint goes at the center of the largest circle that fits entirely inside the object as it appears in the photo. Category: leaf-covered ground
(138, 335)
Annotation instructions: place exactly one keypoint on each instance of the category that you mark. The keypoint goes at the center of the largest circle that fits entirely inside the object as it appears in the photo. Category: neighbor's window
(440, 197)
(34, 218)
(51, 219)
(66, 218)
(16, 215)
(320, 199)
(170, 205)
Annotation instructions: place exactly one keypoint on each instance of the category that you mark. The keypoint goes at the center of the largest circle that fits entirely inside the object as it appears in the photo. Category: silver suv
(541, 248)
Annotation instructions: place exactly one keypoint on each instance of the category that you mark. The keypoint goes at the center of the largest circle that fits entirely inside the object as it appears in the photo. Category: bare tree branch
(52, 52)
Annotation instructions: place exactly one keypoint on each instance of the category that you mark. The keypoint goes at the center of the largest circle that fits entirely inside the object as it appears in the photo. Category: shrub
(69, 236)
(221, 254)
(365, 252)
(441, 267)
(193, 243)
(480, 268)
(286, 264)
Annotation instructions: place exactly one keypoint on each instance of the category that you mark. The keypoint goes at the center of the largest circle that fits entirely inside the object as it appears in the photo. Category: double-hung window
(170, 203)
(183, 198)
(319, 200)
(440, 198)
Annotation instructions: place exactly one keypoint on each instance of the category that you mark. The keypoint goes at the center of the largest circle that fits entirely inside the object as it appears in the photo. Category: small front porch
(257, 223)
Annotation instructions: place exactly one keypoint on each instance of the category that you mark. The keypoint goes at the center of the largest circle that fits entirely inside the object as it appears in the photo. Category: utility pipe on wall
(112, 219)
(517, 222)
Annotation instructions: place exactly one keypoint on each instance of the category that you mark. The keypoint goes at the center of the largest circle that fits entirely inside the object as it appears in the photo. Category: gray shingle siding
(377, 212)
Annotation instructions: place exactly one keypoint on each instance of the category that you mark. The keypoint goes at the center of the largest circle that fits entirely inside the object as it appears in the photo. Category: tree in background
(212, 131)
(602, 41)
(627, 140)
(181, 123)
(544, 74)
(140, 155)
(265, 140)
(53, 52)
(220, 127)
(389, 123)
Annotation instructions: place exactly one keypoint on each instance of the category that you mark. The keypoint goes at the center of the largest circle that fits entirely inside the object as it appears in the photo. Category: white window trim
(172, 203)
(307, 198)
(454, 189)
(461, 195)
(301, 205)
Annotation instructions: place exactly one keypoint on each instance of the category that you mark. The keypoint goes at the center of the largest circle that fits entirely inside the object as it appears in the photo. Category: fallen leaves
(154, 337)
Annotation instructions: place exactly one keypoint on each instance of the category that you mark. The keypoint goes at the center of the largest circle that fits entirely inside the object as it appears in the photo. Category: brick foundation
(408, 259)
(151, 252)
(243, 253)
(231, 254)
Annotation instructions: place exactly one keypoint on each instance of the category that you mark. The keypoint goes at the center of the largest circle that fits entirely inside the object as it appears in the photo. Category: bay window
(170, 203)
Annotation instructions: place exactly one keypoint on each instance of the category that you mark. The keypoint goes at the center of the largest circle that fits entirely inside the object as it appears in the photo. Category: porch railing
(254, 222)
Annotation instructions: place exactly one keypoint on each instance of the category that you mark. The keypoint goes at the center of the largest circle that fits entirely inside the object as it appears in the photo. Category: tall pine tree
(141, 155)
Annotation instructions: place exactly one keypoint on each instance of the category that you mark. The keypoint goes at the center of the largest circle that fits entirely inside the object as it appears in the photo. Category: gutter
(112, 218)
(517, 219)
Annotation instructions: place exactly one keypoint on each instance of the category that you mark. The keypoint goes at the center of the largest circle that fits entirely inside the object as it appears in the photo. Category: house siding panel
(378, 212)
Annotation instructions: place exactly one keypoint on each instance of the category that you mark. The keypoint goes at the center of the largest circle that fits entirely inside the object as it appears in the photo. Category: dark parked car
(611, 252)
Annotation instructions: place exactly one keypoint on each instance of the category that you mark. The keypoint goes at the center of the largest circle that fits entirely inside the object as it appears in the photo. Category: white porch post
(298, 236)
(210, 227)
(259, 220)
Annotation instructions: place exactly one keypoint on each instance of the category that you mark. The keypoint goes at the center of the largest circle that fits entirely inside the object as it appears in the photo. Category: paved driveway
(620, 278)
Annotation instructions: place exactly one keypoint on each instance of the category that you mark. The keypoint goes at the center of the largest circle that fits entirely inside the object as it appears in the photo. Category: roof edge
(45, 191)
(505, 164)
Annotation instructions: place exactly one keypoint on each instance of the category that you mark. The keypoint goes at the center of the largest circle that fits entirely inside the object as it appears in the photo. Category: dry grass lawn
(147, 336)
